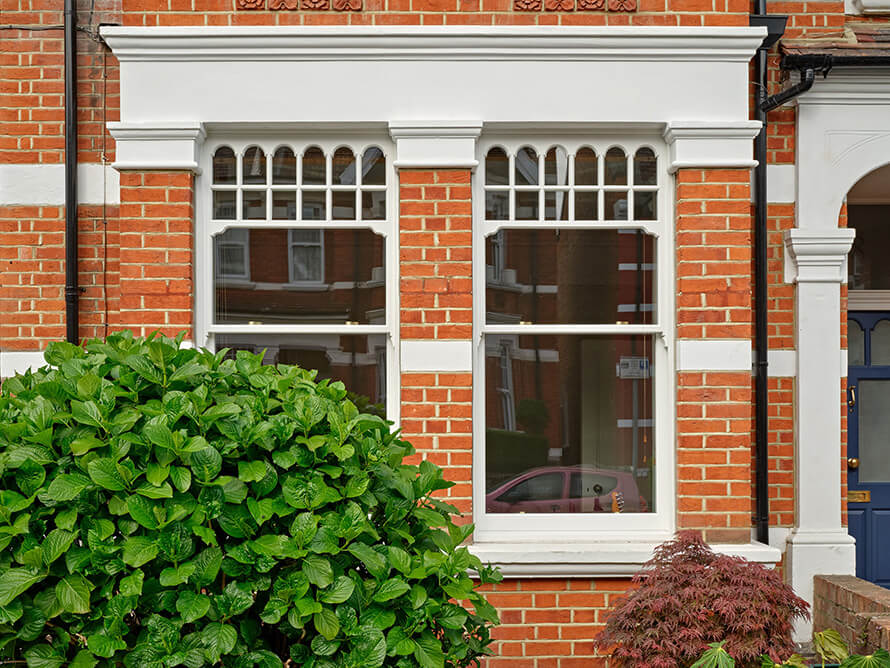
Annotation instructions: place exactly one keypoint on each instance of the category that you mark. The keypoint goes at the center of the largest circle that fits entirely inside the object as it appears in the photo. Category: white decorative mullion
(819, 543)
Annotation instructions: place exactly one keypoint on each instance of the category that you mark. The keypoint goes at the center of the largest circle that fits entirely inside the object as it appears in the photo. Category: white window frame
(291, 244)
(384, 335)
(549, 530)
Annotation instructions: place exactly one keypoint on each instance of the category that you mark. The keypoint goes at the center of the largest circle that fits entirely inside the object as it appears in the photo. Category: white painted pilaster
(818, 544)
(708, 144)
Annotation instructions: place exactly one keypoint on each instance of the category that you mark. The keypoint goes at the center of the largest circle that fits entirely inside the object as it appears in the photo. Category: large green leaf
(392, 588)
(67, 486)
(318, 570)
(104, 473)
(43, 656)
(87, 412)
(428, 651)
(192, 606)
(219, 638)
(326, 623)
(142, 510)
(73, 594)
(340, 590)
(56, 544)
(373, 560)
(139, 550)
(17, 581)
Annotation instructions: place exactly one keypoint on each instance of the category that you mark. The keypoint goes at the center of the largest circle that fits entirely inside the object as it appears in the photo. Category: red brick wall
(156, 252)
(714, 410)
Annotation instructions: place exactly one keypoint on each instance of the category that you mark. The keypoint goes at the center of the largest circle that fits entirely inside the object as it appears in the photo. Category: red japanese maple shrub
(688, 596)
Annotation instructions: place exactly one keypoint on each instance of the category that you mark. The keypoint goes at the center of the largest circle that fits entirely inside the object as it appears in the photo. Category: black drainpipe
(71, 289)
(775, 26)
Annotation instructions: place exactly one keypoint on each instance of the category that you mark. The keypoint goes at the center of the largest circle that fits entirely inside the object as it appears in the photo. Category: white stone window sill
(607, 559)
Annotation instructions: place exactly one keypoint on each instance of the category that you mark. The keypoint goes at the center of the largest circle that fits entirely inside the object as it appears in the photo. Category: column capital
(710, 145)
(435, 144)
(817, 256)
(172, 146)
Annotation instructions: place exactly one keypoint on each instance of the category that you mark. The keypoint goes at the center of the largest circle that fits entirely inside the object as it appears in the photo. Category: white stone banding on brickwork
(13, 362)
(714, 355)
(436, 355)
(44, 185)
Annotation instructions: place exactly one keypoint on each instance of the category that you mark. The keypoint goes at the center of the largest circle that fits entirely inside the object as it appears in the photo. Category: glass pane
(307, 263)
(284, 204)
(527, 205)
(343, 205)
(224, 204)
(645, 168)
(585, 205)
(616, 167)
(284, 166)
(374, 205)
(616, 205)
(231, 260)
(359, 361)
(224, 172)
(253, 166)
(373, 167)
(343, 167)
(585, 167)
(880, 344)
(314, 205)
(568, 424)
(354, 258)
(527, 167)
(867, 263)
(313, 167)
(874, 431)
(556, 167)
(855, 344)
(497, 168)
(572, 277)
(253, 205)
(556, 205)
(497, 206)
(644, 205)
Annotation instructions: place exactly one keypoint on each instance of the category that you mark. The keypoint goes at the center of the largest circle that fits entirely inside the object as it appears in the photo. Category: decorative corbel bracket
(158, 146)
(817, 256)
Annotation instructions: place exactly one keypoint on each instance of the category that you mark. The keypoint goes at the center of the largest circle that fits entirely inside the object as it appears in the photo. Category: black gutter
(775, 29)
(71, 289)
(826, 61)
(808, 76)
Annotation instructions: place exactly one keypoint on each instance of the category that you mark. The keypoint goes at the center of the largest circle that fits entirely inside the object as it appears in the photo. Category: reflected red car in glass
(567, 489)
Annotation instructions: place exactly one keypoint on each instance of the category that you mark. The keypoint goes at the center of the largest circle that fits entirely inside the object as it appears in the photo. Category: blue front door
(868, 443)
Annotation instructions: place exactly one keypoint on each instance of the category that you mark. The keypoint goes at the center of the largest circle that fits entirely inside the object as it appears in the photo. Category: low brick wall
(858, 610)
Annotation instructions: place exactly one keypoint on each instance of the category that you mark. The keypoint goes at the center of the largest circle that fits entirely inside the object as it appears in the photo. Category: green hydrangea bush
(163, 506)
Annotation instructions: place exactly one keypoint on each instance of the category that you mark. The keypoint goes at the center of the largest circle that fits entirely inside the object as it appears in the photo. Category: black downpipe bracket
(71, 288)
(775, 29)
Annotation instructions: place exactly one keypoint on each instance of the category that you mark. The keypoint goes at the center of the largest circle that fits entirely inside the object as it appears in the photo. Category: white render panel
(441, 355)
(36, 185)
(781, 184)
(713, 355)
(13, 362)
(782, 363)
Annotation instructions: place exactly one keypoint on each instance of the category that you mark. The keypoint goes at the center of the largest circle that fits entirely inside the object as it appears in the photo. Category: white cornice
(440, 43)
(850, 86)
(817, 256)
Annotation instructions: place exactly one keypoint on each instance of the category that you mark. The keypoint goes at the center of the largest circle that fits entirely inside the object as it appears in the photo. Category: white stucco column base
(819, 544)
(811, 553)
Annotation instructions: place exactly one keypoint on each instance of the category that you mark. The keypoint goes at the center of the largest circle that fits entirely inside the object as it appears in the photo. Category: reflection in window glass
(867, 263)
(343, 205)
(526, 167)
(585, 167)
(231, 252)
(284, 204)
(343, 167)
(253, 204)
(526, 205)
(571, 277)
(292, 283)
(224, 170)
(284, 166)
(224, 204)
(556, 167)
(880, 344)
(358, 361)
(583, 413)
(253, 166)
(855, 344)
(644, 206)
(645, 168)
(314, 167)
(373, 167)
(616, 205)
(616, 167)
(497, 168)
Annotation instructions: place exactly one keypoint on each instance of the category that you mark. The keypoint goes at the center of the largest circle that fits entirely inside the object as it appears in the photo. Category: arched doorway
(868, 377)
